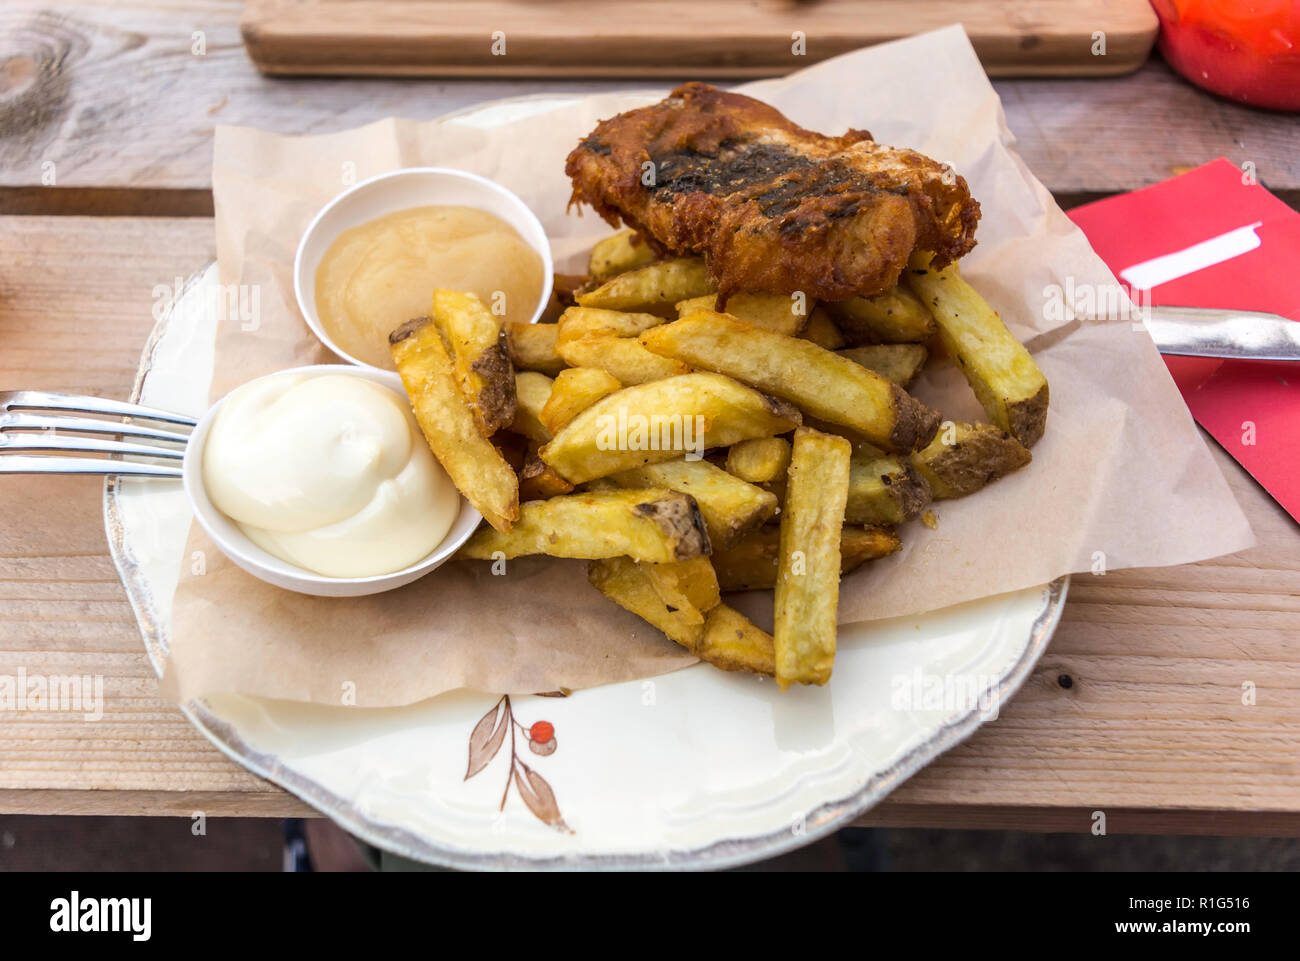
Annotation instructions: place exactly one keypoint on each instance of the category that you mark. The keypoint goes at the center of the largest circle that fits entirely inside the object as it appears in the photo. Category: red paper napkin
(1213, 237)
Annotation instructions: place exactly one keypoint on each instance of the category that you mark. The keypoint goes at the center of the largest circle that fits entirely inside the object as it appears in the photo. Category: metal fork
(45, 438)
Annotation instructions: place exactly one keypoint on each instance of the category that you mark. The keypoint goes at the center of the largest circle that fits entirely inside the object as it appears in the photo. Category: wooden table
(106, 118)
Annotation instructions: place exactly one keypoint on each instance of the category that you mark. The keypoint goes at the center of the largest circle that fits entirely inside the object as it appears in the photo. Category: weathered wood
(638, 38)
(1082, 820)
(269, 802)
(1151, 729)
(263, 801)
(115, 99)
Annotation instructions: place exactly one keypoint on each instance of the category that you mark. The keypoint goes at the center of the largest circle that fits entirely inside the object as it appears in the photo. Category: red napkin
(1236, 246)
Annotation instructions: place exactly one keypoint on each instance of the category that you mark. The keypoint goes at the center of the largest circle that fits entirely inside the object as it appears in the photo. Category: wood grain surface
(113, 104)
(1151, 728)
(108, 110)
(715, 38)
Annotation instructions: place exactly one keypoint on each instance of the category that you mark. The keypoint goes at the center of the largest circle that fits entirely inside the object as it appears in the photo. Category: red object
(1248, 50)
(541, 732)
(1252, 408)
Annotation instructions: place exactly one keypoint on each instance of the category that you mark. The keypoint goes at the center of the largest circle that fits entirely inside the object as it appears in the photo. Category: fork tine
(46, 400)
(36, 464)
(71, 442)
(24, 421)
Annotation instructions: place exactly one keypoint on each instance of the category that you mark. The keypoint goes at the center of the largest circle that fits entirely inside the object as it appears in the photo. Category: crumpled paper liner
(1121, 474)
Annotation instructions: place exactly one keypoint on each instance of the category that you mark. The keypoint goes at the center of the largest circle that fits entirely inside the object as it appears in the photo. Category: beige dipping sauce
(377, 276)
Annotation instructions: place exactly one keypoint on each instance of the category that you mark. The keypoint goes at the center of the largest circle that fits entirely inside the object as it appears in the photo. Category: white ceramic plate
(692, 769)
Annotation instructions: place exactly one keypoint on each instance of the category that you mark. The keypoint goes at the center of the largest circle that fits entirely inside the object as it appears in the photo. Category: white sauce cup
(235, 544)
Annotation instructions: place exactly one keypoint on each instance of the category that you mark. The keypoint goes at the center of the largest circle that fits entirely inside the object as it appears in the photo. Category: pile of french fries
(808, 452)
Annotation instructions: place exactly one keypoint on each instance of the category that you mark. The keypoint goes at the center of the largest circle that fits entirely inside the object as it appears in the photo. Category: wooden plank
(639, 38)
(890, 814)
(114, 105)
(1152, 720)
(77, 297)
(1155, 661)
(267, 802)
(1081, 820)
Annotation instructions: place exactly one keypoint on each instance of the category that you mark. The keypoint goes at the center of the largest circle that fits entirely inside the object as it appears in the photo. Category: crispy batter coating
(769, 205)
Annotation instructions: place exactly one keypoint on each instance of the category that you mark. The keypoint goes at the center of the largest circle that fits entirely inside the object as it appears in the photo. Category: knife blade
(1230, 334)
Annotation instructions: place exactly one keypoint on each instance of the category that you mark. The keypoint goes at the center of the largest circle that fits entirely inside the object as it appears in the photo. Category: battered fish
(769, 205)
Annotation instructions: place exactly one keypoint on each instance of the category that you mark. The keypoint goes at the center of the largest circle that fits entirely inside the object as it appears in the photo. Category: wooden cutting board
(678, 38)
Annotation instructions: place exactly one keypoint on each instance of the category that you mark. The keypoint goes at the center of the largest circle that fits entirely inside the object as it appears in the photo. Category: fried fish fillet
(769, 205)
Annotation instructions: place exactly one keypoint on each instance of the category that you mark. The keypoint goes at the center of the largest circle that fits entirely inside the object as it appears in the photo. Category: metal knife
(1231, 334)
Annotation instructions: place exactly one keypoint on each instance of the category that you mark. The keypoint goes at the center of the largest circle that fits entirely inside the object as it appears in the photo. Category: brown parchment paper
(1121, 478)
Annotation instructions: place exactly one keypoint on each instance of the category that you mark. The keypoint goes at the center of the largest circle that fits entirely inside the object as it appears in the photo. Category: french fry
(821, 330)
(759, 461)
(575, 389)
(963, 458)
(579, 322)
(606, 339)
(895, 317)
(854, 437)
(899, 363)
(730, 506)
(784, 313)
(474, 465)
(654, 525)
(1007, 382)
(722, 637)
(663, 420)
(732, 642)
(698, 582)
(820, 382)
(751, 563)
(617, 254)
(884, 490)
(690, 587)
(532, 391)
(621, 357)
(537, 481)
(807, 588)
(626, 583)
(532, 347)
(480, 357)
(654, 288)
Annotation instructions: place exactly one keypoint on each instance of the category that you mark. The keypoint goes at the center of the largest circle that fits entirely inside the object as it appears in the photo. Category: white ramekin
(236, 545)
(400, 190)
